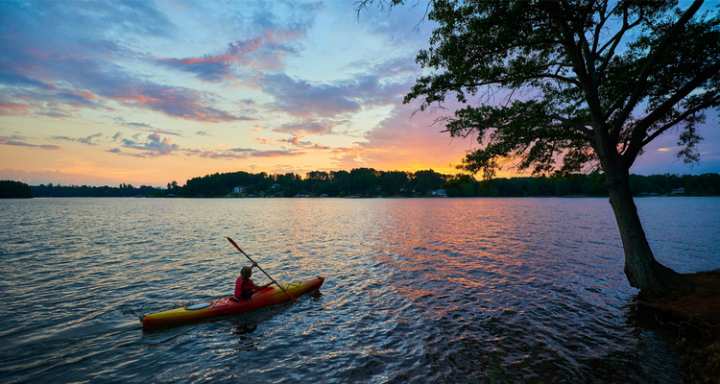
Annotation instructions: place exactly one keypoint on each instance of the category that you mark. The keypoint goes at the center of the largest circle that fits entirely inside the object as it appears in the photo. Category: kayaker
(244, 286)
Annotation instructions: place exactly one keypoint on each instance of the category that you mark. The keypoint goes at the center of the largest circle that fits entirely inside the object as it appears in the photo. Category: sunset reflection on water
(417, 290)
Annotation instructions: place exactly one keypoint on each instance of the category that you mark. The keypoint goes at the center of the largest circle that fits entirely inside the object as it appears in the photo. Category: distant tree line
(14, 190)
(122, 190)
(368, 182)
(584, 185)
(357, 182)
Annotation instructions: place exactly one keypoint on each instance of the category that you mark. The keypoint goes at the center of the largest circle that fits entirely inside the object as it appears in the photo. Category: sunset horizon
(169, 91)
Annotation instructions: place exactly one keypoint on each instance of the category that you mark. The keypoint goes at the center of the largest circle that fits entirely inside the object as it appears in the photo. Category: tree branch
(574, 124)
(681, 117)
(640, 86)
(526, 78)
(618, 35)
(585, 45)
(598, 28)
(639, 131)
(605, 149)
(615, 40)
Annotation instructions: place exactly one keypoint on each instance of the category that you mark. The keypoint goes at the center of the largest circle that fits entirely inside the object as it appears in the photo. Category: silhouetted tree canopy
(14, 190)
(563, 84)
(387, 183)
(123, 190)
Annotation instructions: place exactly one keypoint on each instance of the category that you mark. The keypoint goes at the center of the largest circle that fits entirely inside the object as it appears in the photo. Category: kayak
(271, 295)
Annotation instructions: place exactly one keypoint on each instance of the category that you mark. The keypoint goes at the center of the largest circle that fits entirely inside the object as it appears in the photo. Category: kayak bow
(265, 297)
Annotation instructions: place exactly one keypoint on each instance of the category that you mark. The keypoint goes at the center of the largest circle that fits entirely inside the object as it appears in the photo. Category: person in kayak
(244, 286)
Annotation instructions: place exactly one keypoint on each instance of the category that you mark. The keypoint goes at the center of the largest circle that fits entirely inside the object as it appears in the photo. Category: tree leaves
(605, 78)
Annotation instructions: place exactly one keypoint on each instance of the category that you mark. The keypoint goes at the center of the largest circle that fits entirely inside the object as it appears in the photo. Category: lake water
(417, 290)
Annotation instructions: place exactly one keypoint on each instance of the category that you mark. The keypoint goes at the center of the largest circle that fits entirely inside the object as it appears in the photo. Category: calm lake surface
(417, 290)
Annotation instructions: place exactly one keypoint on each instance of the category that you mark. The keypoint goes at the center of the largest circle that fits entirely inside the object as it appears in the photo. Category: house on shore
(438, 193)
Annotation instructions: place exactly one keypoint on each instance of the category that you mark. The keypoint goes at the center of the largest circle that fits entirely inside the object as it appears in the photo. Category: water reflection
(439, 290)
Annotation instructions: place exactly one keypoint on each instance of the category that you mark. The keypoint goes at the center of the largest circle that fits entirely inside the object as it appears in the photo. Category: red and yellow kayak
(266, 297)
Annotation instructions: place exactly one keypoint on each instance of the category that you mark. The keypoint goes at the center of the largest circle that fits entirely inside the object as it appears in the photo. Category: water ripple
(418, 290)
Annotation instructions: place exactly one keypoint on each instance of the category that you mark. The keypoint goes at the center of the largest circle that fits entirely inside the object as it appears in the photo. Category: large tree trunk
(641, 268)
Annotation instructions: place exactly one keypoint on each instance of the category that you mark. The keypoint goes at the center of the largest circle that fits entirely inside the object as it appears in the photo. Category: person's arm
(259, 287)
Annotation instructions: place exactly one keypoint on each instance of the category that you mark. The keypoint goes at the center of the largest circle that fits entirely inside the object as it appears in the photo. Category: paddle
(260, 268)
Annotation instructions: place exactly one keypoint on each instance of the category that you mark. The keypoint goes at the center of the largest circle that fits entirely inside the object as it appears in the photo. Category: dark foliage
(356, 182)
(123, 190)
(367, 182)
(566, 85)
(14, 190)
(583, 185)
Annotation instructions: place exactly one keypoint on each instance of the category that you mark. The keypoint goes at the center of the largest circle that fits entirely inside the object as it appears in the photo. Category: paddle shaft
(259, 267)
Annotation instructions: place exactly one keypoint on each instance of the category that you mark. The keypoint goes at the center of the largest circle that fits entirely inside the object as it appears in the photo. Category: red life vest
(244, 288)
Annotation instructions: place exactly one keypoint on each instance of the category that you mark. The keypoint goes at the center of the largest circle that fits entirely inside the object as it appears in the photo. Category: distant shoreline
(370, 183)
(346, 197)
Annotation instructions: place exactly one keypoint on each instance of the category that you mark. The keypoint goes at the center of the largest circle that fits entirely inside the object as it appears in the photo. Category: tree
(423, 182)
(569, 86)
(461, 185)
(172, 186)
(10, 189)
(364, 181)
(393, 183)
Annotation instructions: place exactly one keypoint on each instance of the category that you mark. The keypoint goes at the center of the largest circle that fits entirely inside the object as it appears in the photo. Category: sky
(109, 92)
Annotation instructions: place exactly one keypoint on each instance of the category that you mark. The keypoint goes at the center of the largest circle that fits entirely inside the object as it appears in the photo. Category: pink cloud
(407, 140)
(14, 109)
(174, 101)
(264, 52)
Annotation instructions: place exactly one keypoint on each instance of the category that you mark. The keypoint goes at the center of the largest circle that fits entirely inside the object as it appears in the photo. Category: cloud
(301, 98)
(154, 145)
(16, 79)
(240, 153)
(202, 133)
(314, 127)
(177, 102)
(295, 141)
(403, 66)
(19, 141)
(53, 112)
(45, 101)
(14, 109)
(57, 53)
(132, 124)
(271, 32)
(87, 140)
(264, 52)
(145, 127)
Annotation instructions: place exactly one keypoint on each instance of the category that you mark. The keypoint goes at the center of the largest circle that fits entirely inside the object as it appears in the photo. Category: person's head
(246, 272)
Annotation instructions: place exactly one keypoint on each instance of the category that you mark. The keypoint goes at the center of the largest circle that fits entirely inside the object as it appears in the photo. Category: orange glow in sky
(166, 91)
